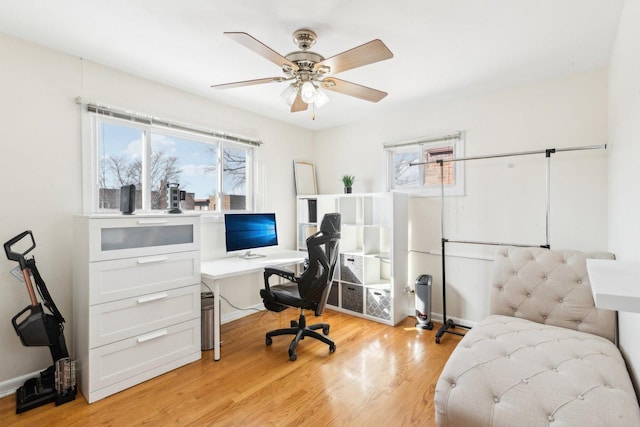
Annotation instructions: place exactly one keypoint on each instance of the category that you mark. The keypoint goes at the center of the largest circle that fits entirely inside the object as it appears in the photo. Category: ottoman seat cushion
(514, 372)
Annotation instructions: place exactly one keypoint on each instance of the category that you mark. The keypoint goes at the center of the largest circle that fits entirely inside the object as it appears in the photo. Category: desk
(222, 268)
(614, 284)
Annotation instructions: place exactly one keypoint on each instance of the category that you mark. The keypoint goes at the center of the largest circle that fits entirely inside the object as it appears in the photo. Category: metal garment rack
(448, 325)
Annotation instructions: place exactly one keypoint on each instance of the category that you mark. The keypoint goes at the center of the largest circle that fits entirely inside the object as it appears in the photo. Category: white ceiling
(441, 47)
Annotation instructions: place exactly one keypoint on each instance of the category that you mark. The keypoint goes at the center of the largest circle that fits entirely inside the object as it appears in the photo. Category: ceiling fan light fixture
(321, 98)
(308, 92)
(289, 94)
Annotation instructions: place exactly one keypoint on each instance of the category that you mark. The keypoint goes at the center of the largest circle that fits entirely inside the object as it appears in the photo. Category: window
(213, 173)
(410, 168)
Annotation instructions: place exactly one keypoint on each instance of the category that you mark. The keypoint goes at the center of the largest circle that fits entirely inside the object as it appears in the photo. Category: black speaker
(174, 196)
(423, 302)
(127, 199)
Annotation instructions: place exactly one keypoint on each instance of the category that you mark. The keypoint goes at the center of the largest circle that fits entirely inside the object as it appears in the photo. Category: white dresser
(136, 298)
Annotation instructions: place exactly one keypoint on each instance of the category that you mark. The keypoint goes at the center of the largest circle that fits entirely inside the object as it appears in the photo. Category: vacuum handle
(20, 259)
(19, 256)
(14, 320)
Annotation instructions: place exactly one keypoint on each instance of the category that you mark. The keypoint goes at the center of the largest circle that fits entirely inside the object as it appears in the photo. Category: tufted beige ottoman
(544, 358)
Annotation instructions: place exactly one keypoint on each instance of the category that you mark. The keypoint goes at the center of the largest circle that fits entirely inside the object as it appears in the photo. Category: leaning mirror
(305, 178)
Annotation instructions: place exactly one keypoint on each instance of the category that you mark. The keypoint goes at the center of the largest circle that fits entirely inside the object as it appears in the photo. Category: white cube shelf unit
(371, 275)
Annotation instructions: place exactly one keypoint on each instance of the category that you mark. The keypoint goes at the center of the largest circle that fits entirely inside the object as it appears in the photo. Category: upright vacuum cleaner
(35, 327)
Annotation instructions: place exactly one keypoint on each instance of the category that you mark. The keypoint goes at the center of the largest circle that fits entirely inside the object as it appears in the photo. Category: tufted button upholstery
(514, 372)
(544, 357)
(550, 287)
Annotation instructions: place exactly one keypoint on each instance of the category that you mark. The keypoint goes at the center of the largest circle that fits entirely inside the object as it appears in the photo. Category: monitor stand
(250, 255)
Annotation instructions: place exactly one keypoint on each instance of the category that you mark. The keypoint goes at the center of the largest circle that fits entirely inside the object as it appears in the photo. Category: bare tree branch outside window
(234, 168)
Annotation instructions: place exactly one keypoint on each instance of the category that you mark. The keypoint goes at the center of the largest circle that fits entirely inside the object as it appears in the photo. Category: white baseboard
(9, 387)
(239, 314)
(437, 317)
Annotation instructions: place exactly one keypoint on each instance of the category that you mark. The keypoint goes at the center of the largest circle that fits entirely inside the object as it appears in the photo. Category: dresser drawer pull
(154, 297)
(152, 336)
(151, 260)
(152, 221)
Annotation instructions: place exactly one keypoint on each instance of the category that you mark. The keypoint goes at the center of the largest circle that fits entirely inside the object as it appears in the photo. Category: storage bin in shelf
(351, 268)
(352, 297)
(378, 302)
(334, 293)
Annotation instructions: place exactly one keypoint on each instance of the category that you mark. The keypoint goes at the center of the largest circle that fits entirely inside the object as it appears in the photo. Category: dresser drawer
(123, 237)
(132, 357)
(132, 277)
(122, 319)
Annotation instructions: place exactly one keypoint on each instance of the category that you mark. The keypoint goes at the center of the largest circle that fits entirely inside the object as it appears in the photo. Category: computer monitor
(247, 231)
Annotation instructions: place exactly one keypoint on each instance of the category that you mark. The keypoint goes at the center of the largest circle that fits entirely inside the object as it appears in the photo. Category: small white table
(615, 284)
(222, 268)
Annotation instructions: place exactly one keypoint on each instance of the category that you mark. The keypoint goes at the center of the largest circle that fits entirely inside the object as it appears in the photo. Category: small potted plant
(347, 180)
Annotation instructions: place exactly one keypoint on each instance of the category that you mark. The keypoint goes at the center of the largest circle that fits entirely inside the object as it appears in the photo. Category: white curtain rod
(138, 117)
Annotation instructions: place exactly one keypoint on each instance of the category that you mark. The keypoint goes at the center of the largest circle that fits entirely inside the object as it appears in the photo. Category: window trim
(90, 128)
(423, 144)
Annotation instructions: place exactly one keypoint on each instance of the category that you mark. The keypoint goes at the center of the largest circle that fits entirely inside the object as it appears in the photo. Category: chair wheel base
(300, 332)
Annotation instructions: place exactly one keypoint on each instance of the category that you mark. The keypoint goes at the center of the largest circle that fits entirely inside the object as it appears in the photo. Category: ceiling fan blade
(353, 89)
(298, 104)
(249, 83)
(365, 54)
(261, 49)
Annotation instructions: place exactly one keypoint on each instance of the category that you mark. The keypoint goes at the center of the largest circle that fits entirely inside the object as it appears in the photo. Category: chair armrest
(279, 271)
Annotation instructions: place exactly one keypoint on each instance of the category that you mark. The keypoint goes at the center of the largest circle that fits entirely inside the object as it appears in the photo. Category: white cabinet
(136, 298)
(371, 277)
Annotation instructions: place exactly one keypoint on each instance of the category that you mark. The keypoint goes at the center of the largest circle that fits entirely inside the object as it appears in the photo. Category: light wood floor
(378, 376)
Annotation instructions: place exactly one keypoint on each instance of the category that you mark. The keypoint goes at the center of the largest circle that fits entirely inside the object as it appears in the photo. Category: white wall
(624, 173)
(40, 167)
(505, 199)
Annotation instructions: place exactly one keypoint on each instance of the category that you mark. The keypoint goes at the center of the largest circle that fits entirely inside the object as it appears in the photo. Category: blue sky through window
(196, 160)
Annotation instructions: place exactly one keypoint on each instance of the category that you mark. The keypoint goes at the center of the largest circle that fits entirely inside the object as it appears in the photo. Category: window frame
(424, 145)
(90, 160)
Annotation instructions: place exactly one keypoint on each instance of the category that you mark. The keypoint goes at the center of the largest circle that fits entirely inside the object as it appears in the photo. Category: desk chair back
(315, 282)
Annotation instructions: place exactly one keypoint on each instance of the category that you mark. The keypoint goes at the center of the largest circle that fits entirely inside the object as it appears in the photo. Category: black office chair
(310, 290)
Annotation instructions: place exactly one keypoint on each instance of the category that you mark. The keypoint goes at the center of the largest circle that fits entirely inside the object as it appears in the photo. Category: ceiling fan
(308, 71)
